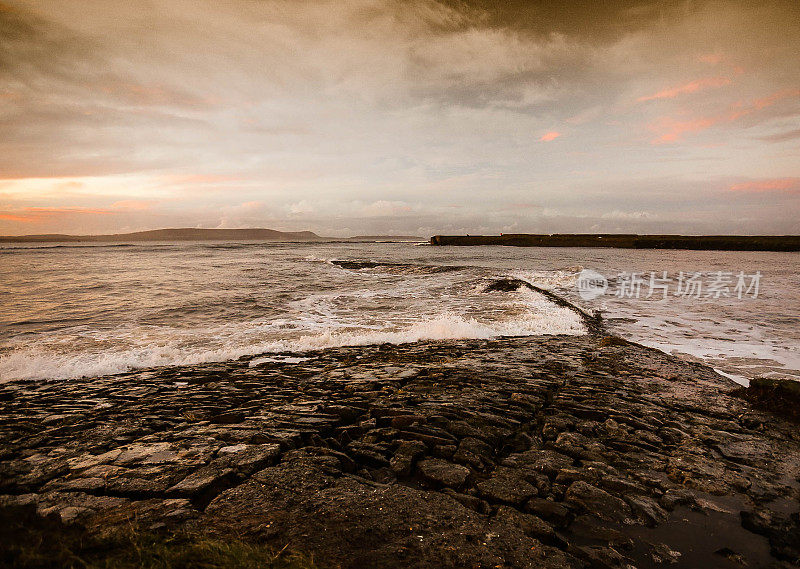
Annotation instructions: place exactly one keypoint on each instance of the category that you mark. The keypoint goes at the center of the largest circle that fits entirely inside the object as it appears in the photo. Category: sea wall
(629, 241)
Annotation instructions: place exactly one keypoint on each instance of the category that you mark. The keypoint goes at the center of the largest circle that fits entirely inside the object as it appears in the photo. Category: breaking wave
(33, 363)
(527, 314)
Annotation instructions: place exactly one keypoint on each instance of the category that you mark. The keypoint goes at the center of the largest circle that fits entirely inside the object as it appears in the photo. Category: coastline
(559, 451)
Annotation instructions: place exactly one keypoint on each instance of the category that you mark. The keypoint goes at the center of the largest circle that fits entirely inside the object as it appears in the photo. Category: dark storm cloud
(593, 21)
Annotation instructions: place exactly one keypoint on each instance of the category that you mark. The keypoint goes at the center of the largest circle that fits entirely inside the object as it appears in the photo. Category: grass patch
(29, 542)
(778, 396)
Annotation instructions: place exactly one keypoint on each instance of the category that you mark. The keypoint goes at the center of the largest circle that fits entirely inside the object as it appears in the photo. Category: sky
(422, 117)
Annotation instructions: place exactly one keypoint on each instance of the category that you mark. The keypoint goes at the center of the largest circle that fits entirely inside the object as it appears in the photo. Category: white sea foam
(533, 315)
(741, 380)
(103, 310)
(278, 359)
(562, 278)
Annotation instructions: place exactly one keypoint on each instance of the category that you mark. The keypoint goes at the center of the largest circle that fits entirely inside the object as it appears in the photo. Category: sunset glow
(316, 115)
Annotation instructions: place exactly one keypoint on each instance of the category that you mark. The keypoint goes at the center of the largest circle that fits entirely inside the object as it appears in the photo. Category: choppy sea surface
(68, 310)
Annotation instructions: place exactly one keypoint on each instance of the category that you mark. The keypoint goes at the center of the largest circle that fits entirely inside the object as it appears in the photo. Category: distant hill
(184, 234)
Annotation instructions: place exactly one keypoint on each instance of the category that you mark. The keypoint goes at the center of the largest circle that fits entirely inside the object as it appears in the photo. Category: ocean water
(69, 311)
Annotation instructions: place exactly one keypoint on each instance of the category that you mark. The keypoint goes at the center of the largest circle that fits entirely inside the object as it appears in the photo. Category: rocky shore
(517, 452)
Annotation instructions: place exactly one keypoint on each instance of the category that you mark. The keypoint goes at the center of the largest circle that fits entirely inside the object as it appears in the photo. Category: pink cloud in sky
(548, 136)
(671, 130)
(776, 184)
(774, 98)
(711, 58)
(691, 87)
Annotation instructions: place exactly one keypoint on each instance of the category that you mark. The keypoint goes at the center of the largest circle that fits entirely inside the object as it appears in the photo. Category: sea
(78, 310)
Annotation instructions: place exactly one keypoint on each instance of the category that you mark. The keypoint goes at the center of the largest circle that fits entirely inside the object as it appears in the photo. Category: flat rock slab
(516, 452)
(443, 472)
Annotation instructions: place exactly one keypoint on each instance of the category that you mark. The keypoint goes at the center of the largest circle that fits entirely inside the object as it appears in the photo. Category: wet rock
(556, 425)
(347, 414)
(444, 451)
(732, 556)
(673, 436)
(231, 418)
(247, 459)
(461, 428)
(663, 554)
(567, 476)
(546, 461)
(579, 446)
(232, 449)
(506, 485)
(676, 497)
(366, 465)
(621, 485)
(530, 524)
(597, 502)
(471, 502)
(406, 454)
(587, 529)
(403, 421)
(473, 452)
(505, 285)
(599, 557)
(71, 514)
(646, 510)
(369, 454)
(203, 484)
(383, 475)
(442, 472)
(782, 531)
(554, 512)
(91, 485)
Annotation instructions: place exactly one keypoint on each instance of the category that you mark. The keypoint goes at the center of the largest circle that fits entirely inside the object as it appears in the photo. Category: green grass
(39, 544)
(778, 396)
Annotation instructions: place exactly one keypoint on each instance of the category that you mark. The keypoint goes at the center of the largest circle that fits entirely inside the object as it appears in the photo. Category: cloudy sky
(418, 117)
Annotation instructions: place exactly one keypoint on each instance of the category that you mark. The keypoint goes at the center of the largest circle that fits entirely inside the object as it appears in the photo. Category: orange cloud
(776, 184)
(691, 87)
(548, 136)
(62, 210)
(34, 214)
(670, 130)
(22, 218)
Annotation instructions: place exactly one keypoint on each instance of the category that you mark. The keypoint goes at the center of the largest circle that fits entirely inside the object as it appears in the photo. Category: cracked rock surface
(516, 452)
